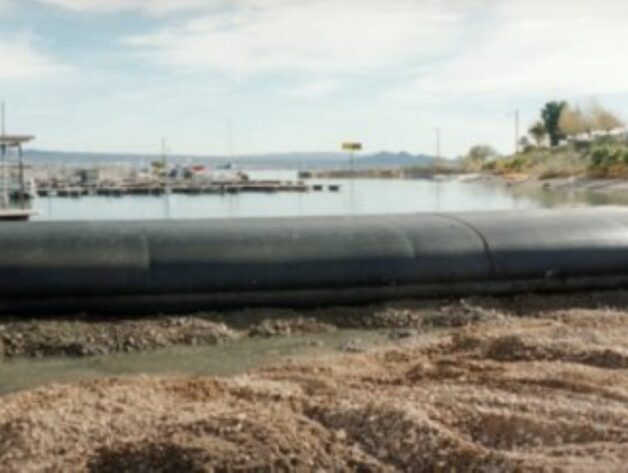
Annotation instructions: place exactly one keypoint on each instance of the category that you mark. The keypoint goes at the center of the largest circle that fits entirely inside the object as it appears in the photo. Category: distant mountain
(401, 159)
(297, 160)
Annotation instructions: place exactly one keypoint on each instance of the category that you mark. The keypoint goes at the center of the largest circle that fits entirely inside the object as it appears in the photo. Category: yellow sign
(352, 146)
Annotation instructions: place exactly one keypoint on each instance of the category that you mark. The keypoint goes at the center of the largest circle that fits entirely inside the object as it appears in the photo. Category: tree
(478, 155)
(551, 116)
(605, 119)
(573, 121)
(576, 121)
(524, 142)
(538, 133)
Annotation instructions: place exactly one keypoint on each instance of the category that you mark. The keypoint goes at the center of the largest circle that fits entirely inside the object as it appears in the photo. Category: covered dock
(15, 143)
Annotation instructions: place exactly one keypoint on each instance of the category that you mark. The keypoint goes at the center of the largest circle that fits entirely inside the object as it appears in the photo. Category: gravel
(39, 338)
(83, 336)
(547, 391)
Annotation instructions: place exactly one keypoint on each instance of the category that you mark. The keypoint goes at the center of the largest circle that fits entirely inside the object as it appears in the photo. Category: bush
(608, 159)
(490, 166)
(515, 164)
(605, 140)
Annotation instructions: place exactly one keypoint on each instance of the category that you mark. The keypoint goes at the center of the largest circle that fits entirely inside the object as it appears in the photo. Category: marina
(161, 179)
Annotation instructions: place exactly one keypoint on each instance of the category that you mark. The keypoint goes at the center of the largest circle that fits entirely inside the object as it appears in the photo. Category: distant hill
(401, 159)
(297, 160)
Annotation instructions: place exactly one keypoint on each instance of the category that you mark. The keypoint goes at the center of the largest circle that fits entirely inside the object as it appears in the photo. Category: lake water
(356, 197)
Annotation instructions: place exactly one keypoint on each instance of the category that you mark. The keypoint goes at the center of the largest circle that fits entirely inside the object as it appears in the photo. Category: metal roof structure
(14, 140)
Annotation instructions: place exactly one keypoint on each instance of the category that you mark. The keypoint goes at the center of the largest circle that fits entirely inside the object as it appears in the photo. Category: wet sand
(533, 384)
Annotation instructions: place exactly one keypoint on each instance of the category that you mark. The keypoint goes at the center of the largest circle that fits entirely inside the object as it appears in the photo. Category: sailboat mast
(3, 145)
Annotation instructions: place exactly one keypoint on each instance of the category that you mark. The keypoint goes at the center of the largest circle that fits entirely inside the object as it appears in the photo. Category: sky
(238, 77)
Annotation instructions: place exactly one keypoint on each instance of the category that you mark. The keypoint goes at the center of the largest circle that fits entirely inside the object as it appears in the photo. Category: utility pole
(5, 183)
(351, 147)
(230, 140)
(438, 150)
(163, 154)
(517, 131)
(164, 165)
(437, 163)
(166, 178)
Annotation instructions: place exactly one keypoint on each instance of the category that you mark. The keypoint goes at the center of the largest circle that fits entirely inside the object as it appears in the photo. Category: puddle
(220, 360)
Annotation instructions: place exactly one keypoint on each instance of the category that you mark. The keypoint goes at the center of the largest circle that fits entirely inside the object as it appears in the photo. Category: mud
(76, 337)
(533, 384)
(85, 336)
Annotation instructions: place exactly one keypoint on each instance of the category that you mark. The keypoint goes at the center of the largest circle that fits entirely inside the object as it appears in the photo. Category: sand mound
(502, 395)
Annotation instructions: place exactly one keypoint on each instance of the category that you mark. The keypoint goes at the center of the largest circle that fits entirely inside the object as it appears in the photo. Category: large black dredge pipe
(204, 264)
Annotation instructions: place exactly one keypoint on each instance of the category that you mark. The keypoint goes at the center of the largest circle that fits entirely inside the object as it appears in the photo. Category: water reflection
(572, 198)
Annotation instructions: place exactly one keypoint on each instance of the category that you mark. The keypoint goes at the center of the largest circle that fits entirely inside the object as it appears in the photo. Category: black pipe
(205, 264)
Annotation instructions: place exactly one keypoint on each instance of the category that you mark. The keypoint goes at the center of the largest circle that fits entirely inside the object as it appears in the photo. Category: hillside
(604, 157)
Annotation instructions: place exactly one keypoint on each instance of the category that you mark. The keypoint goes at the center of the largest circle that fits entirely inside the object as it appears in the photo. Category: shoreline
(523, 181)
(572, 184)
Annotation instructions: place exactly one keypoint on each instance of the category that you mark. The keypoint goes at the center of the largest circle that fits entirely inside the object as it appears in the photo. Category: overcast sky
(301, 75)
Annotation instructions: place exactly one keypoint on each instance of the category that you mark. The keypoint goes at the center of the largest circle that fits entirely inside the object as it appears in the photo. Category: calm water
(356, 197)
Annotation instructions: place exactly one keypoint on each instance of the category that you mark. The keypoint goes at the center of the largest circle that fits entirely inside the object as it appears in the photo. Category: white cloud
(19, 59)
(314, 36)
(148, 6)
(314, 89)
(531, 47)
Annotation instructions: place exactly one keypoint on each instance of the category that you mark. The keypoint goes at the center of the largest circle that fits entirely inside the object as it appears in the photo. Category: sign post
(352, 147)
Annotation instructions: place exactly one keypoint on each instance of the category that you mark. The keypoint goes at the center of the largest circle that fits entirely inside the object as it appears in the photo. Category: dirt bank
(538, 384)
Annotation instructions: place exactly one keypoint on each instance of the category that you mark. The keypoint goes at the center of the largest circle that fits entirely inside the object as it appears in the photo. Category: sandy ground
(539, 384)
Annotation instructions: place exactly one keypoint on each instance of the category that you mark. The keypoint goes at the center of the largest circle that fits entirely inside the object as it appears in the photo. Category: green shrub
(608, 159)
(515, 164)
(489, 166)
(605, 140)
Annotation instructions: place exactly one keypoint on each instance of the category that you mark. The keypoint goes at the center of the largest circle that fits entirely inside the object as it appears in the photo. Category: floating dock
(15, 215)
(234, 187)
